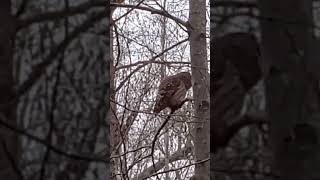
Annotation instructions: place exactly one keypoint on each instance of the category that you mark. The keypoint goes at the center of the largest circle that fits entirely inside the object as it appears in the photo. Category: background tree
(292, 90)
(201, 86)
(9, 141)
(55, 61)
(278, 127)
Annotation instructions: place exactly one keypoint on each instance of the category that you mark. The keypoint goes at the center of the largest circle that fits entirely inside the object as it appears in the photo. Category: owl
(236, 71)
(172, 91)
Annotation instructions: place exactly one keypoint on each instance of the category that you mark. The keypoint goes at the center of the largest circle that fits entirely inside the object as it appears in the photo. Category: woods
(273, 131)
(159, 89)
(152, 41)
(53, 89)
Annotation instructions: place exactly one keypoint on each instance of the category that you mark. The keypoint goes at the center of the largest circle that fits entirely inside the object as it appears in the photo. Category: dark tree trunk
(291, 92)
(9, 145)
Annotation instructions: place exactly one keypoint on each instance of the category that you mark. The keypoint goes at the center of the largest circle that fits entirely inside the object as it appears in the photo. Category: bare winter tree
(292, 87)
(201, 87)
(10, 146)
(282, 144)
(52, 88)
(144, 54)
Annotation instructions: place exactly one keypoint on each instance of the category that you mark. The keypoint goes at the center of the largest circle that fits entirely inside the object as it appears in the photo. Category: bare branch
(178, 155)
(3, 120)
(153, 11)
(40, 69)
(50, 16)
(151, 60)
(176, 169)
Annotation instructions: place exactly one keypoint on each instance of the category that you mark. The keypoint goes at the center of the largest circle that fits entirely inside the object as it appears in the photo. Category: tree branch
(178, 155)
(40, 69)
(148, 62)
(50, 16)
(3, 120)
(153, 11)
(242, 121)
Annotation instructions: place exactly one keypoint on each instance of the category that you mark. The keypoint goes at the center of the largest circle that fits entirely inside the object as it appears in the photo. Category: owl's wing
(179, 95)
(169, 86)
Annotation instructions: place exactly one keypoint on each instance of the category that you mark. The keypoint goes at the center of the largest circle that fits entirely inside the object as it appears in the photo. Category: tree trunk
(115, 136)
(9, 144)
(200, 77)
(292, 100)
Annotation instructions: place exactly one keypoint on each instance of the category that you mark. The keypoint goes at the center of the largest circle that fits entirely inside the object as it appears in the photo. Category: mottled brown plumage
(172, 91)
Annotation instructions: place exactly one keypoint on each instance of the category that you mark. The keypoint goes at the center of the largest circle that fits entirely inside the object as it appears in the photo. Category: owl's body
(172, 91)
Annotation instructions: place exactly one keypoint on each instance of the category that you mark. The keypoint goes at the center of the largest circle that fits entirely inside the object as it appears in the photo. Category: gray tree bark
(291, 88)
(9, 145)
(200, 77)
(115, 136)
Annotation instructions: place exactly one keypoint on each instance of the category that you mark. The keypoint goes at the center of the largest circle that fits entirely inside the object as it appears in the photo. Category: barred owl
(236, 71)
(172, 91)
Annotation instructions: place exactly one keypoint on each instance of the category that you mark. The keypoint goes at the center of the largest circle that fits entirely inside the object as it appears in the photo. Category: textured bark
(108, 149)
(9, 145)
(115, 131)
(200, 77)
(291, 90)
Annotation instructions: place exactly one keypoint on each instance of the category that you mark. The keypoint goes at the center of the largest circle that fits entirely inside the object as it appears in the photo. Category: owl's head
(186, 78)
